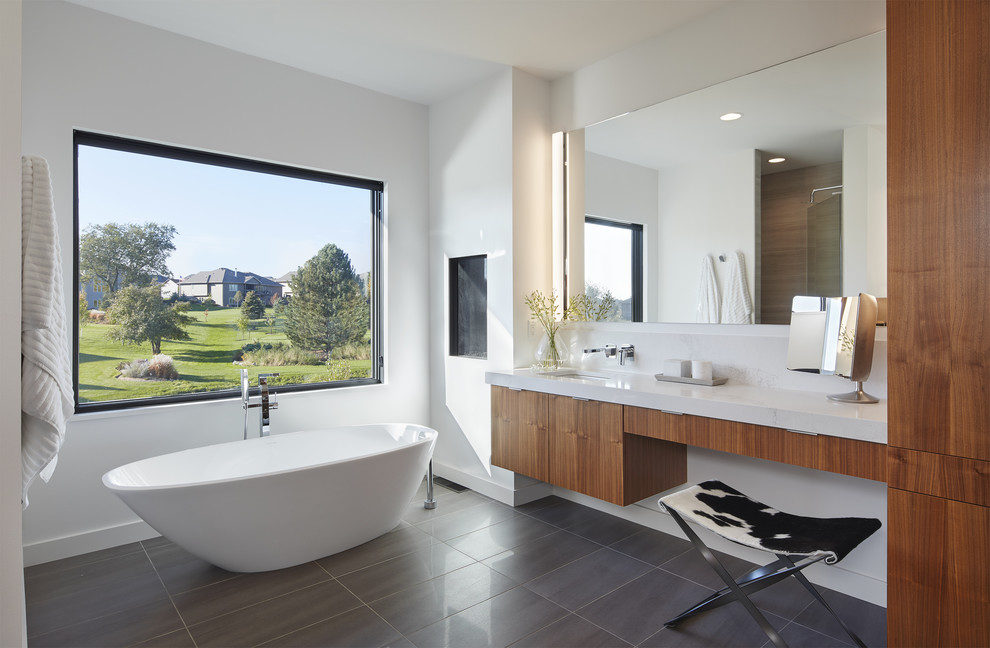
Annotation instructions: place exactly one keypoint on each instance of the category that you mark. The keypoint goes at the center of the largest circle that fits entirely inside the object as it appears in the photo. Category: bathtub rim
(431, 439)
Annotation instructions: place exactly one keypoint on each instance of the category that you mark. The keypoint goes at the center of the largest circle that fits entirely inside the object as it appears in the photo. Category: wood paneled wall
(938, 349)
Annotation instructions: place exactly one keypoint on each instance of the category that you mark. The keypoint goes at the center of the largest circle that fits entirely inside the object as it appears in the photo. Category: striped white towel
(47, 398)
(737, 306)
(707, 310)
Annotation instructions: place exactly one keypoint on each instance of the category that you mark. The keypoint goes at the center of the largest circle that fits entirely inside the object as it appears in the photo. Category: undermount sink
(578, 375)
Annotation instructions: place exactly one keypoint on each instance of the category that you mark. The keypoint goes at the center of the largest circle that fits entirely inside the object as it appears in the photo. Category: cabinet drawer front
(954, 478)
(656, 424)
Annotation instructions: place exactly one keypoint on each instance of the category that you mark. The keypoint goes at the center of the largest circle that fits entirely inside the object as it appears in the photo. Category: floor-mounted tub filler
(277, 501)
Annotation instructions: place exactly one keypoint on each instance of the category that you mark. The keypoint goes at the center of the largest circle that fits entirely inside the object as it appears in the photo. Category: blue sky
(225, 217)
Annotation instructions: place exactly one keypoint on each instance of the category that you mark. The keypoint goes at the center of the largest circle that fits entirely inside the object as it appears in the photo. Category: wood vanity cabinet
(579, 445)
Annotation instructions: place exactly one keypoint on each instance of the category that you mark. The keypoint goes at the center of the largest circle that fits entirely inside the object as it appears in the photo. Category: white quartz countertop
(801, 411)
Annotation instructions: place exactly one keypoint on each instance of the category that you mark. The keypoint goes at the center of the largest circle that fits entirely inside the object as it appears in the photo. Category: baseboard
(81, 543)
(499, 492)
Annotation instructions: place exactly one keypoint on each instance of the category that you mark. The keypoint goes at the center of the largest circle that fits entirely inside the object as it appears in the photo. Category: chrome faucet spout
(608, 350)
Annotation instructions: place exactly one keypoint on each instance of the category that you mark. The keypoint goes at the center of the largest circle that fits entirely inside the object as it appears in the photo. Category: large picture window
(192, 266)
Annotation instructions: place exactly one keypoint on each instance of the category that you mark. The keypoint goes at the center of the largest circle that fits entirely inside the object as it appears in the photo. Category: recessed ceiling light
(732, 116)
(777, 160)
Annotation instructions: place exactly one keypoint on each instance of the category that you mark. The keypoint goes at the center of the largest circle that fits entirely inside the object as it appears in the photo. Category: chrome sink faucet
(266, 401)
(624, 352)
(608, 350)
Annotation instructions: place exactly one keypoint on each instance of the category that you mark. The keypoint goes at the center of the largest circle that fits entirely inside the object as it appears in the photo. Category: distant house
(286, 280)
(170, 287)
(94, 296)
(223, 284)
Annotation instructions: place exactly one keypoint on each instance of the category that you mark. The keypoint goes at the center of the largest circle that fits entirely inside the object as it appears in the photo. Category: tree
(327, 308)
(113, 256)
(141, 315)
(238, 296)
(252, 307)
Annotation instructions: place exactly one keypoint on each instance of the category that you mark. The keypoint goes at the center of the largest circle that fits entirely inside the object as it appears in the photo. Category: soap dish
(691, 381)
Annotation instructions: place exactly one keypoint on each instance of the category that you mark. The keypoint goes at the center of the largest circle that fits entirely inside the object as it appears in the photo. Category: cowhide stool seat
(735, 516)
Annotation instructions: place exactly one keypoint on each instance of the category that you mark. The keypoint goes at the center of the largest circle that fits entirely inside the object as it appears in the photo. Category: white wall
(489, 191)
(625, 192)
(12, 623)
(705, 209)
(864, 210)
(470, 213)
(84, 69)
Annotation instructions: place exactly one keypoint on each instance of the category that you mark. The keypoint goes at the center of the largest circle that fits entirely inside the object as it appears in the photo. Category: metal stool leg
(724, 574)
(752, 582)
(814, 592)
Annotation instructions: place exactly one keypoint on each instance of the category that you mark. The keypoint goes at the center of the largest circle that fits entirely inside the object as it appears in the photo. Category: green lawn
(205, 362)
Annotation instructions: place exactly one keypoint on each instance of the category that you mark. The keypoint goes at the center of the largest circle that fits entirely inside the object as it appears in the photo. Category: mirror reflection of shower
(825, 241)
(799, 237)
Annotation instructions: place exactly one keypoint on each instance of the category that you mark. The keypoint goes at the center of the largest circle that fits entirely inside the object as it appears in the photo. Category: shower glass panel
(825, 247)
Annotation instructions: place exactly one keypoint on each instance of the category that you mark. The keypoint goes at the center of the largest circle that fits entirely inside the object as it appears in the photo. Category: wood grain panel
(833, 454)
(853, 457)
(938, 230)
(586, 447)
(653, 423)
(520, 432)
(955, 478)
(937, 579)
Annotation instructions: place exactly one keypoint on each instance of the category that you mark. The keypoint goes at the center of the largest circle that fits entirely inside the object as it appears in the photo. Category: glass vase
(551, 353)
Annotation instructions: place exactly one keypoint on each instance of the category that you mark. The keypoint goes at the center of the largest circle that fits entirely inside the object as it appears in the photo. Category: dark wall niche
(469, 306)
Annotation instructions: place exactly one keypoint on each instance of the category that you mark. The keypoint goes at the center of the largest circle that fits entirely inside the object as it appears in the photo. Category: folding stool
(736, 517)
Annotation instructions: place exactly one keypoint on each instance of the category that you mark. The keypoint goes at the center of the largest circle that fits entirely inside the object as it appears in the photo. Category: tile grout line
(185, 626)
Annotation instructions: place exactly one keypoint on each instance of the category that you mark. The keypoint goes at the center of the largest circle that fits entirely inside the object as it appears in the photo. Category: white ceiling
(421, 50)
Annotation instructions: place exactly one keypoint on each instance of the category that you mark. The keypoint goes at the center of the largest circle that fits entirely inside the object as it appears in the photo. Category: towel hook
(721, 258)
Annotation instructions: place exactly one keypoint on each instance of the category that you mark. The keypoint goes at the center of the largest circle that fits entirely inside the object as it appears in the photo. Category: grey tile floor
(472, 572)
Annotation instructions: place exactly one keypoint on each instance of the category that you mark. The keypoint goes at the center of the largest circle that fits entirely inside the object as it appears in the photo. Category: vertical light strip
(558, 145)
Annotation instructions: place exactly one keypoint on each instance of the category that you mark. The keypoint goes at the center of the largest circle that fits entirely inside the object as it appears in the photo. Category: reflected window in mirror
(613, 257)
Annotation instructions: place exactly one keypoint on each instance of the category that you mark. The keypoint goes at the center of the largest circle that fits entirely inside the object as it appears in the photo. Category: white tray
(691, 381)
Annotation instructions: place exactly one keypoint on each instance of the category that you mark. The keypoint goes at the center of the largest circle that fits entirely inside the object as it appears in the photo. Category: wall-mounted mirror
(698, 186)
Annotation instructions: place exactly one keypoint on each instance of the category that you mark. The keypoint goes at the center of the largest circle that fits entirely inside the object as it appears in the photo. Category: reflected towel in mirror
(737, 306)
(708, 300)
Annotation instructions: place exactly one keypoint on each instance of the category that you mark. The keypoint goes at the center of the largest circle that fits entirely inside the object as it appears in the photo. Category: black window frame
(636, 242)
(142, 147)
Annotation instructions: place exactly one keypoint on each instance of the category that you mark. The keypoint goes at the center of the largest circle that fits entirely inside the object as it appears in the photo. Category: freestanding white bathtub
(267, 503)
